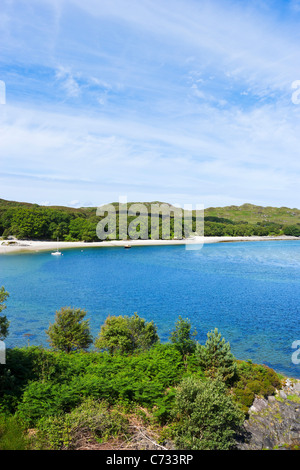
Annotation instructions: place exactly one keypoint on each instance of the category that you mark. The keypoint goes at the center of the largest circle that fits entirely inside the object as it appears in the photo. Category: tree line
(47, 223)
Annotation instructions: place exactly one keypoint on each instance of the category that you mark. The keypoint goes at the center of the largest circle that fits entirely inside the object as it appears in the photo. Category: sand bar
(15, 246)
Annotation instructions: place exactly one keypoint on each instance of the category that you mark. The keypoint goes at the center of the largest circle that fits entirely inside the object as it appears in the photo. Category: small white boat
(57, 252)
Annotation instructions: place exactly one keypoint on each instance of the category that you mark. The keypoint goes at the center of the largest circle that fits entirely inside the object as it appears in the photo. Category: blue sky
(179, 101)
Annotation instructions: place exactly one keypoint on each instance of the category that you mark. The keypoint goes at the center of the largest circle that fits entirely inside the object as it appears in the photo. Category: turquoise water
(249, 291)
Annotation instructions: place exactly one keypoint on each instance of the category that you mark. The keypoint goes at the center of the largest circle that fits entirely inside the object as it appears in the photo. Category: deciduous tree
(126, 334)
(70, 331)
(183, 338)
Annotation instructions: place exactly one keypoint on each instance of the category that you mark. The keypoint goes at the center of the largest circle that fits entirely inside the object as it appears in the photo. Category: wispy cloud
(183, 101)
(67, 81)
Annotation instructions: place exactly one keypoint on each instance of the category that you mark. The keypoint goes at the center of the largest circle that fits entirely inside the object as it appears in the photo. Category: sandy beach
(14, 246)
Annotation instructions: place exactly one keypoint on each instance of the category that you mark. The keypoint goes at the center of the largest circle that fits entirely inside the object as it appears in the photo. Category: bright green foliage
(12, 435)
(208, 417)
(4, 323)
(68, 392)
(90, 419)
(126, 334)
(215, 357)
(182, 337)
(70, 331)
(141, 378)
(44, 399)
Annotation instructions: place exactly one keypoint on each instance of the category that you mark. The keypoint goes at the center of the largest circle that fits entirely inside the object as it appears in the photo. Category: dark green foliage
(125, 334)
(241, 229)
(4, 323)
(216, 358)
(254, 379)
(208, 419)
(27, 221)
(163, 408)
(70, 331)
(292, 230)
(14, 375)
(183, 338)
(30, 221)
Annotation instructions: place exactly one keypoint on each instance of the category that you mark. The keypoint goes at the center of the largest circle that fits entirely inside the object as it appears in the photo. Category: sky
(180, 101)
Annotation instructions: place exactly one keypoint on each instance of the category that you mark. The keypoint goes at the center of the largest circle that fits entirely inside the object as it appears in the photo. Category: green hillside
(32, 221)
(254, 214)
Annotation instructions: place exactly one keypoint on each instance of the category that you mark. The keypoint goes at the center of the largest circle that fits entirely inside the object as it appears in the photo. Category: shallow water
(249, 291)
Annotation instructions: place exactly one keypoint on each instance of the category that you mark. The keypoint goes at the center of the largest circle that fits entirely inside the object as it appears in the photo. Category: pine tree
(215, 357)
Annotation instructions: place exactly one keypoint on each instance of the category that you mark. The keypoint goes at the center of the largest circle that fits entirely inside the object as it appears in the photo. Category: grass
(253, 214)
(294, 398)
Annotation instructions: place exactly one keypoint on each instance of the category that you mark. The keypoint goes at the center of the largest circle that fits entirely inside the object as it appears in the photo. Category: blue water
(249, 291)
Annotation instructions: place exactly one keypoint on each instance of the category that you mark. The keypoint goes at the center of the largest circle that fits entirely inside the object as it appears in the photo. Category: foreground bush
(142, 378)
(254, 379)
(208, 419)
(12, 435)
(92, 419)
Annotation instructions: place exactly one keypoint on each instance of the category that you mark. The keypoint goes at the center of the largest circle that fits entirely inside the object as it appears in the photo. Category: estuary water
(250, 291)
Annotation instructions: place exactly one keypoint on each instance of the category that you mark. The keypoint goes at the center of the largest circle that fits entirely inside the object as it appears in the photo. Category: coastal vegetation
(190, 395)
(32, 221)
(4, 323)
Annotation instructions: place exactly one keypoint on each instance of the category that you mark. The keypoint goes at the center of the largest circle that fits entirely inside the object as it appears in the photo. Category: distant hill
(253, 214)
(32, 221)
(4, 204)
(245, 213)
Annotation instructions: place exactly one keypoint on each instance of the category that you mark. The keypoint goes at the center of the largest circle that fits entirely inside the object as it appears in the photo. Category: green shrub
(163, 408)
(254, 379)
(42, 399)
(140, 378)
(126, 334)
(208, 418)
(12, 435)
(91, 419)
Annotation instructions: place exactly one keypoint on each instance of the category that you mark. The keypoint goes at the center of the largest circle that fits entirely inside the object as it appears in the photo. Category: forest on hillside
(31, 221)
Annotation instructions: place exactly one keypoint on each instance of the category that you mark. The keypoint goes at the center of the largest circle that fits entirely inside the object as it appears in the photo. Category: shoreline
(24, 246)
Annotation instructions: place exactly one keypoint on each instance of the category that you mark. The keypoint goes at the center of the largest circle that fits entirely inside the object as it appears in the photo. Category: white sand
(13, 246)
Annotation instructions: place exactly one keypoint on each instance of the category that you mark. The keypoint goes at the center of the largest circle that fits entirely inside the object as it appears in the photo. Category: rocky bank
(274, 422)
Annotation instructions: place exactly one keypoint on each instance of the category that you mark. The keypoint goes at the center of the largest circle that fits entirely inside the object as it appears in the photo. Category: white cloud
(157, 100)
(67, 81)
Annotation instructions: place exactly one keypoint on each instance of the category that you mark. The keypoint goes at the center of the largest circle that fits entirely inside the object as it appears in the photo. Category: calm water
(249, 291)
